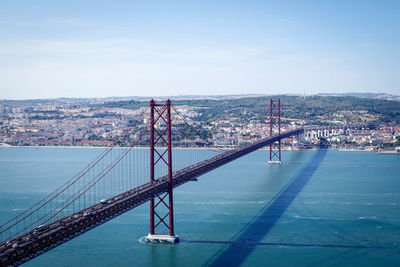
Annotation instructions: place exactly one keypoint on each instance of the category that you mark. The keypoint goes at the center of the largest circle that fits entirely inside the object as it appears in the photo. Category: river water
(317, 208)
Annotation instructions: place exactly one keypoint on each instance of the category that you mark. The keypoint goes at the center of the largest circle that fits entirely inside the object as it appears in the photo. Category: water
(318, 208)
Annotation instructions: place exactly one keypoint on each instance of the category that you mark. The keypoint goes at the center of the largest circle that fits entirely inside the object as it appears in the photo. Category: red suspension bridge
(120, 179)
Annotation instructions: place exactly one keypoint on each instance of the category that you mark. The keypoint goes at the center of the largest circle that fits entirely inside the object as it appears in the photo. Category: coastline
(355, 150)
(199, 148)
(104, 147)
(138, 147)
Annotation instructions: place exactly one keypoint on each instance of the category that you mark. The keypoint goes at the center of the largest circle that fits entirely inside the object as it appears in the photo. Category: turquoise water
(318, 208)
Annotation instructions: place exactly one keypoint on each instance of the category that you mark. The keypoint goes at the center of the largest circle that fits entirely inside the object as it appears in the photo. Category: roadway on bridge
(38, 241)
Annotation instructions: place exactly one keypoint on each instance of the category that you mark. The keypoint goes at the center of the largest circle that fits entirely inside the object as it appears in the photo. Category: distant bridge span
(38, 241)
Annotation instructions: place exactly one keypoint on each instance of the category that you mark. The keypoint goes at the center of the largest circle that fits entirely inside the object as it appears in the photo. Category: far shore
(104, 147)
(200, 148)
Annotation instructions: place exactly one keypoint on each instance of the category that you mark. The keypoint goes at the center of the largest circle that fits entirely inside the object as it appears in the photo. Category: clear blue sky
(125, 48)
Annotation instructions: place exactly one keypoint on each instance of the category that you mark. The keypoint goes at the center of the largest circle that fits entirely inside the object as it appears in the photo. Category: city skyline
(93, 49)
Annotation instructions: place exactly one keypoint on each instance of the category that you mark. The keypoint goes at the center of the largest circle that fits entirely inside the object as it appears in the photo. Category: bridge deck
(38, 241)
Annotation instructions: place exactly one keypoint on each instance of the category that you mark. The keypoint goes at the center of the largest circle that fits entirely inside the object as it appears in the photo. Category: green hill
(313, 109)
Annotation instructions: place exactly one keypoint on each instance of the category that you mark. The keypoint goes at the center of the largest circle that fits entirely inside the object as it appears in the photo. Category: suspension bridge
(122, 178)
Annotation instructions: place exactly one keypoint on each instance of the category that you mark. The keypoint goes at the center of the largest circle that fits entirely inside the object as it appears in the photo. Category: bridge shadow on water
(281, 244)
(245, 241)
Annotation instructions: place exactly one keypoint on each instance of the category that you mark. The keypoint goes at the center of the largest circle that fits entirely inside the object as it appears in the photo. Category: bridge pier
(155, 238)
(277, 162)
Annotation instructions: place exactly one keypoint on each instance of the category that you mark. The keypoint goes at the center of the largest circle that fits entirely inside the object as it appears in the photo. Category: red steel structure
(22, 245)
(275, 123)
(161, 113)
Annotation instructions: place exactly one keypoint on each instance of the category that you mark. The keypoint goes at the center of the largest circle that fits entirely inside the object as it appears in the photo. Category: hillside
(313, 109)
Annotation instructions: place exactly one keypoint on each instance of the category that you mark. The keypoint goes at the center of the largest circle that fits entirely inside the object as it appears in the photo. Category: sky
(100, 48)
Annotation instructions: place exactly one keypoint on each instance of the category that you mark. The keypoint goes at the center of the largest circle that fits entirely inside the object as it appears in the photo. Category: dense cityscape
(98, 122)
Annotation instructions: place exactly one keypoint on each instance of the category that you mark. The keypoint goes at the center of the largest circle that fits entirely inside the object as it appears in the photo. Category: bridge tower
(275, 126)
(160, 114)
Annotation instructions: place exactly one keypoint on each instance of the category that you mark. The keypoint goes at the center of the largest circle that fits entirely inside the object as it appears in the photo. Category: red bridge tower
(275, 128)
(160, 138)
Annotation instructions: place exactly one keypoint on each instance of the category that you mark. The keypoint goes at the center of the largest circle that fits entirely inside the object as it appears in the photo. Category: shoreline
(355, 150)
(199, 148)
(103, 147)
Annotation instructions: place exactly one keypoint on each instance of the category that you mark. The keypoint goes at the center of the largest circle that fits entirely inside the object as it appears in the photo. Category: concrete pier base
(162, 238)
(274, 162)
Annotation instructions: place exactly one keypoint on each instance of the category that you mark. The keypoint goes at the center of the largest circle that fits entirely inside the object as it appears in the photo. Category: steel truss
(275, 128)
(160, 137)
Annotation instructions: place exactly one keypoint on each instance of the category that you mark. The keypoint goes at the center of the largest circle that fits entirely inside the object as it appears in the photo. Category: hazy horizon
(199, 96)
